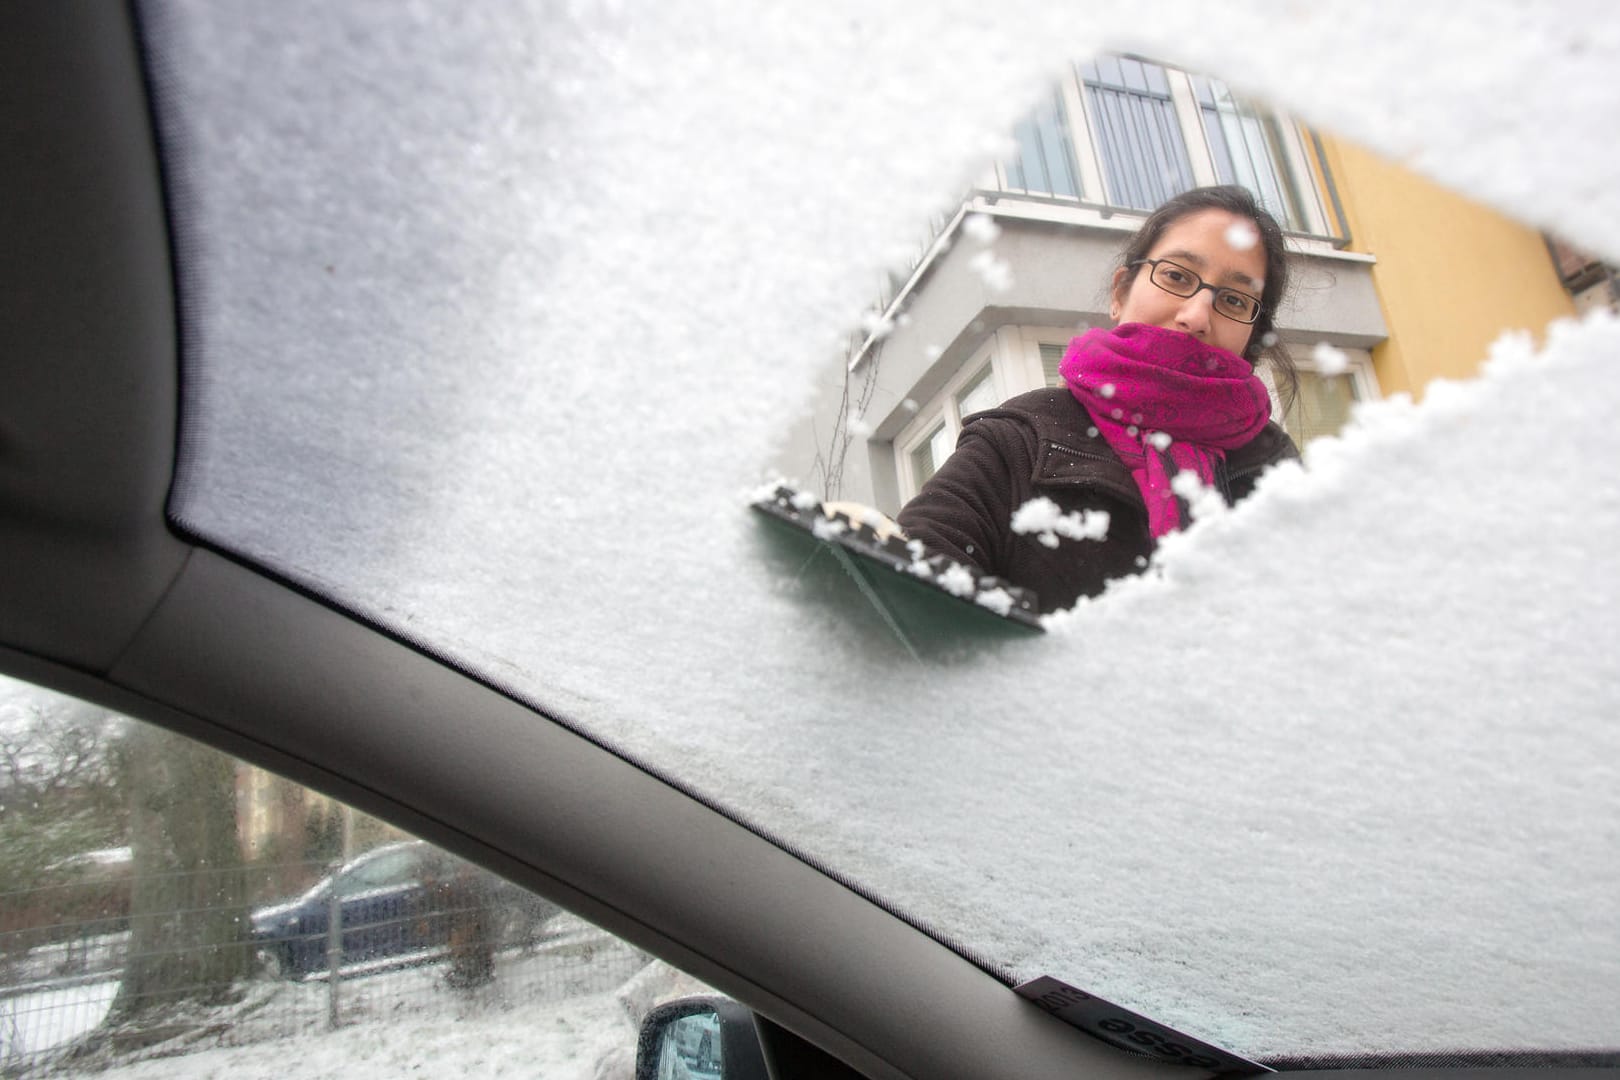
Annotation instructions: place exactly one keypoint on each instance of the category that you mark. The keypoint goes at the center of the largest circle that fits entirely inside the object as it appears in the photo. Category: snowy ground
(568, 1009)
(590, 1036)
(36, 1022)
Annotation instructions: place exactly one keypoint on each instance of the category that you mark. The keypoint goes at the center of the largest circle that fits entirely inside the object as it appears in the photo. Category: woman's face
(1210, 243)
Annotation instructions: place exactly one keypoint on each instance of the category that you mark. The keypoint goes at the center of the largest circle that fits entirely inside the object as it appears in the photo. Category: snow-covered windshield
(499, 314)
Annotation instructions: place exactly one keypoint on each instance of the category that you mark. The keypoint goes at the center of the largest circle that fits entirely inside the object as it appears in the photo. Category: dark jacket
(1038, 444)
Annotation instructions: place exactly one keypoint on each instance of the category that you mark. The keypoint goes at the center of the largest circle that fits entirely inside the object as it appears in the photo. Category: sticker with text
(1131, 1031)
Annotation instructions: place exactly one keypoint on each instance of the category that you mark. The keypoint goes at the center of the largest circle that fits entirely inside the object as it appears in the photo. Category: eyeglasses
(1177, 280)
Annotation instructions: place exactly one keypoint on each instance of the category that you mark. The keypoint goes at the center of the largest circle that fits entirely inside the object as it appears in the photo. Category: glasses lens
(1175, 279)
(1179, 281)
(1236, 305)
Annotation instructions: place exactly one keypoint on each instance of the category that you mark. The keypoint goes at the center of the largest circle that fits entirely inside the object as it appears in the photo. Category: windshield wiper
(1119, 1026)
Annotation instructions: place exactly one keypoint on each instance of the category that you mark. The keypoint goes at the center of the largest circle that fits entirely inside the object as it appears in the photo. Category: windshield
(492, 338)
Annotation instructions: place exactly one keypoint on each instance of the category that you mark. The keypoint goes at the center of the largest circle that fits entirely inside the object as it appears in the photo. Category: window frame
(1058, 102)
(1174, 95)
(944, 408)
(1363, 382)
(1013, 354)
(1297, 175)
(1031, 340)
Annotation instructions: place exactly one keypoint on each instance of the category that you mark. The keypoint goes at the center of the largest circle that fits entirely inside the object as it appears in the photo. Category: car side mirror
(699, 1038)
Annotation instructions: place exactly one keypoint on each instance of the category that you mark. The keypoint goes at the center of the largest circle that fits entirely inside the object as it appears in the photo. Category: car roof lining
(87, 426)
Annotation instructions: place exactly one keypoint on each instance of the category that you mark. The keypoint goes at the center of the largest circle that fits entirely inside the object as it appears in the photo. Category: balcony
(1119, 135)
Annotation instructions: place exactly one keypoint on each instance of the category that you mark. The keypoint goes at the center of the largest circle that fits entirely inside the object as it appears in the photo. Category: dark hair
(1263, 342)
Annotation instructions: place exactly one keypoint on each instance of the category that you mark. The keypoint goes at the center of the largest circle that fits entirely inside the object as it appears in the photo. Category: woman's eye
(1176, 277)
(1234, 302)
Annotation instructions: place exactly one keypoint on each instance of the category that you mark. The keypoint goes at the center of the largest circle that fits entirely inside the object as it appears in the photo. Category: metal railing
(77, 991)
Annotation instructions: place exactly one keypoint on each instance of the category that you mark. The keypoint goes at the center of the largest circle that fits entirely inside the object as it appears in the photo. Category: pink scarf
(1165, 402)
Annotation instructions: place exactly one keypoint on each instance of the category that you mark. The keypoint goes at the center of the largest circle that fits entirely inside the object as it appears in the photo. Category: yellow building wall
(1452, 275)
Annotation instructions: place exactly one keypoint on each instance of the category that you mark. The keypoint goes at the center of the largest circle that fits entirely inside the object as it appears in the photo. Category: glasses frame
(1217, 290)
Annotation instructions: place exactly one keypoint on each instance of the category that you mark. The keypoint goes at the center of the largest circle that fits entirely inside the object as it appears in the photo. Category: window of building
(1045, 164)
(1325, 398)
(1245, 147)
(1125, 132)
(979, 394)
(1324, 403)
(930, 454)
(1051, 357)
(1136, 131)
(927, 441)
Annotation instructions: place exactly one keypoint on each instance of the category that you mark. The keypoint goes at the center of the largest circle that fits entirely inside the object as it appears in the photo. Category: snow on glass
(1042, 517)
(1329, 360)
(1241, 236)
(997, 599)
(996, 273)
(825, 528)
(981, 227)
(1274, 759)
(1203, 501)
(877, 325)
(957, 580)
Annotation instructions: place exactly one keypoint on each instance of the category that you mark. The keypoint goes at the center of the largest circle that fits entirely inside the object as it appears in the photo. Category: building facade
(1399, 280)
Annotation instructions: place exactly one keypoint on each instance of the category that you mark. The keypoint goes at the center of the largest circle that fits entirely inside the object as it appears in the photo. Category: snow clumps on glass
(877, 325)
(997, 600)
(981, 227)
(996, 273)
(958, 580)
(1202, 501)
(1241, 236)
(827, 528)
(1328, 360)
(919, 560)
(1042, 517)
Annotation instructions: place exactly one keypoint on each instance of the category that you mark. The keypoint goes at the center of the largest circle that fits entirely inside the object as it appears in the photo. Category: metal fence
(84, 983)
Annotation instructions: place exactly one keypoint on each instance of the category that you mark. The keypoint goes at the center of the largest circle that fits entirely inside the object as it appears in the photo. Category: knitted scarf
(1165, 402)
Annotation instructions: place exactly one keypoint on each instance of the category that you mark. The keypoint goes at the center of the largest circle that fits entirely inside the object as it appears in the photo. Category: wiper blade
(1119, 1026)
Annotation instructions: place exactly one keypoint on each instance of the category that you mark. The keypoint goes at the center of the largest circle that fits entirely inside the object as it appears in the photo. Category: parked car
(255, 413)
(403, 900)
